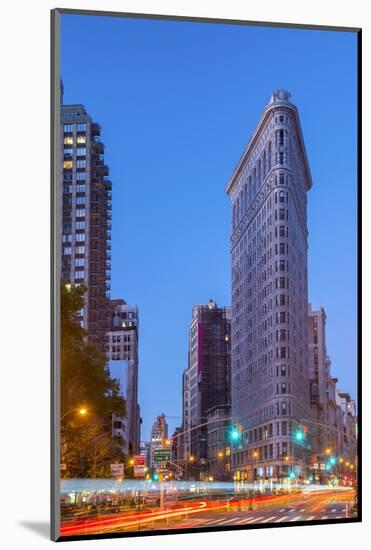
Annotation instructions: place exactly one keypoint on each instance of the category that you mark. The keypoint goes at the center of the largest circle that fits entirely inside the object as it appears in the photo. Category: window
(283, 370)
(284, 428)
(80, 236)
(80, 188)
(79, 262)
(80, 250)
(81, 152)
(80, 213)
(80, 200)
(81, 164)
(81, 127)
(68, 140)
(67, 251)
(80, 225)
(67, 164)
(79, 275)
(81, 139)
(66, 238)
(68, 127)
(67, 152)
(81, 176)
(281, 158)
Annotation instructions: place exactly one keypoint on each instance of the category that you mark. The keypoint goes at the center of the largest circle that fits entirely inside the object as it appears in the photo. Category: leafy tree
(85, 382)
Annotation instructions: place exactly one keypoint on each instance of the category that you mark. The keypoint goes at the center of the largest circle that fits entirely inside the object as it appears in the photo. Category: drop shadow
(42, 528)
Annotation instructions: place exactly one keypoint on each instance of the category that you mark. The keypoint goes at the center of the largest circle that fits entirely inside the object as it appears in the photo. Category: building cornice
(253, 141)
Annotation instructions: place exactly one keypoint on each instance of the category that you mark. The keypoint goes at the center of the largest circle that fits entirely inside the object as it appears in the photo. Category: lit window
(81, 139)
(67, 152)
(67, 164)
(68, 140)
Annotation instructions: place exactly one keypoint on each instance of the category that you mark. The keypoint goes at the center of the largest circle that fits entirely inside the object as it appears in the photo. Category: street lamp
(82, 411)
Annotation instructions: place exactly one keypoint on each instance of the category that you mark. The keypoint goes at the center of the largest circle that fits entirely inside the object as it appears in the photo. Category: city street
(306, 506)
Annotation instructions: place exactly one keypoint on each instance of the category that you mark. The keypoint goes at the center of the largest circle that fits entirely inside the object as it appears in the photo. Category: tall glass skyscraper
(270, 387)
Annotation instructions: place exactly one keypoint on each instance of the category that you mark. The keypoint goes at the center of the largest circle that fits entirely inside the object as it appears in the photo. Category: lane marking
(283, 510)
(334, 510)
(269, 519)
(281, 519)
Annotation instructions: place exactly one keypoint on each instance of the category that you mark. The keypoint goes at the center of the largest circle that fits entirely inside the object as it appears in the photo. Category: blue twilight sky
(177, 102)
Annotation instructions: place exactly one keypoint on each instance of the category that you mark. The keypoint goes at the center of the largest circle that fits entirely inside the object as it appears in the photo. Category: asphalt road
(324, 505)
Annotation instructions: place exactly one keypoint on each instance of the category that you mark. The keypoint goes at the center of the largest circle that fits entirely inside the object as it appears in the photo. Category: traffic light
(292, 475)
(333, 460)
(235, 433)
(155, 476)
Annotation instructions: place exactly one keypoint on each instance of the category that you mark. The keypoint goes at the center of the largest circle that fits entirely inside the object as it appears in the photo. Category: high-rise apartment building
(270, 387)
(207, 381)
(123, 362)
(86, 217)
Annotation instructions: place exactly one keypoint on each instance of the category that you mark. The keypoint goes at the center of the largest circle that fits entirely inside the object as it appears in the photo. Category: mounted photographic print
(205, 211)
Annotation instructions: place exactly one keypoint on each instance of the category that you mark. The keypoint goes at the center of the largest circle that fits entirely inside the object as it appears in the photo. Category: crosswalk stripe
(232, 520)
(334, 510)
(253, 520)
(214, 521)
(281, 519)
(338, 517)
(283, 510)
(243, 521)
(310, 518)
(269, 519)
(324, 517)
(296, 518)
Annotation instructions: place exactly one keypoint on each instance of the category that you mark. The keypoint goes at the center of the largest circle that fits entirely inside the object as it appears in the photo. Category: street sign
(117, 470)
(139, 471)
(161, 455)
(138, 460)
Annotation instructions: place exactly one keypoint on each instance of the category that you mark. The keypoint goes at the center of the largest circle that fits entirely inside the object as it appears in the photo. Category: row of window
(67, 237)
(80, 127)
(68, 140)
(67, 176)
(68, 164)
(80, 152)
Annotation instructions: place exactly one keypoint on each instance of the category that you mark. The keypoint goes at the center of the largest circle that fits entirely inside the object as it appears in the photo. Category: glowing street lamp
(220, 454)
(191, 458)
(328, 451)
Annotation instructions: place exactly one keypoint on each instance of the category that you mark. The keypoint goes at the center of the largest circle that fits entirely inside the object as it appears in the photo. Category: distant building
(218, 442)
(159, 435)
(145, 451)
(86, 217)
(206, 382)
(270, 386)
(123, 361)
(348, 416)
